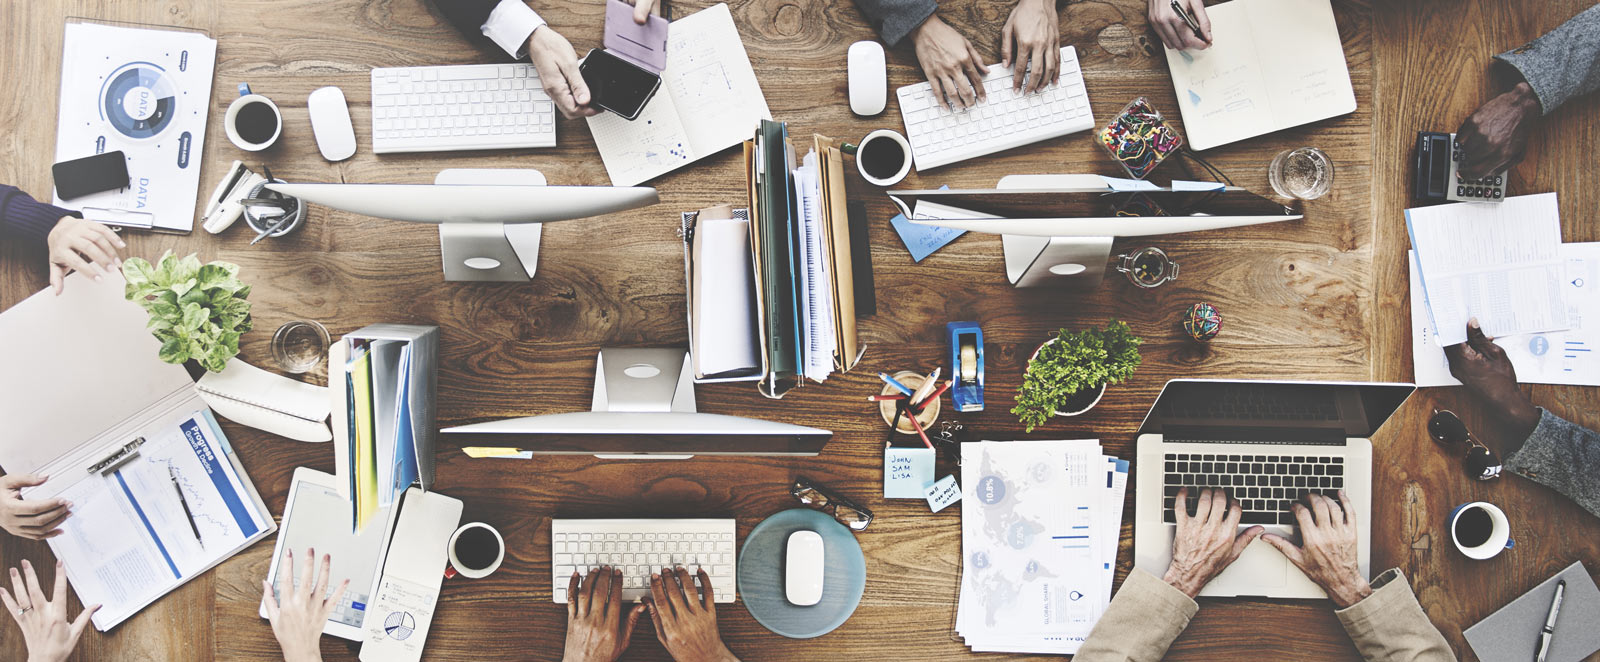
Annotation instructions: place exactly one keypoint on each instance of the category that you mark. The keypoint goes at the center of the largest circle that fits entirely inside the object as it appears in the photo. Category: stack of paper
(816, 295)
(1039, 528)
(381, 439)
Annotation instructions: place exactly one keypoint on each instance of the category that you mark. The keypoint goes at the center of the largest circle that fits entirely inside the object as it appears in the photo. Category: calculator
(1491, 188)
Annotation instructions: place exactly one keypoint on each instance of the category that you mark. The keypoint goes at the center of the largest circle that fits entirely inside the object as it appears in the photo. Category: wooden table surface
(1320, 298)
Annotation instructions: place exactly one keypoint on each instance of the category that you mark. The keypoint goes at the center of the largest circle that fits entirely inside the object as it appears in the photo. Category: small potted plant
(197, 311)
(1069, 373)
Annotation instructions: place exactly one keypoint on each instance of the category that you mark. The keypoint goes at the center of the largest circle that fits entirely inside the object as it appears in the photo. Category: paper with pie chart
(147, 93)
(1557, 357)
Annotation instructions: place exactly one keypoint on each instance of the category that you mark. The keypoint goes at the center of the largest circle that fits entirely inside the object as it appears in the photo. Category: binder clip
(966, 356)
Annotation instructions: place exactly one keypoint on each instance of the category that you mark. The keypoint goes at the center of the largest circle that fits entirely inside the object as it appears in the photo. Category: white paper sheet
(816, 293)
(1499, 263)
(1557, 357)
(725, 294)
(709, 101)
(147, 93)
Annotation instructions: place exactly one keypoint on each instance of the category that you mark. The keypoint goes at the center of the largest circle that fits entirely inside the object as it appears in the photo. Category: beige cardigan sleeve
(1141, 622)
(1390, 624)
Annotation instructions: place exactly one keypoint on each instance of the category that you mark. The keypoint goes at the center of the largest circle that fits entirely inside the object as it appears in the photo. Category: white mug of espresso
(1480, 530)
(476, 550)
(252, 121)
(883, 157)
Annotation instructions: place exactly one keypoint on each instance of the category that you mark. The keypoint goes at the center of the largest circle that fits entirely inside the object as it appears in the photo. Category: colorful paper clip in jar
(1139, 139)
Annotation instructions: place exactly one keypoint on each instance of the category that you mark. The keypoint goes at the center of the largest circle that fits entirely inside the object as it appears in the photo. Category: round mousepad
(761, 568)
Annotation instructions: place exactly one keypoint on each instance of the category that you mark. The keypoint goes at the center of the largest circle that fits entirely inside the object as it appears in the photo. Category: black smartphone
(91, 174)
(618, 85)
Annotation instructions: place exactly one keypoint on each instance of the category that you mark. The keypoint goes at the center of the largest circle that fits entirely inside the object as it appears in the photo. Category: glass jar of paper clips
(270, 213)
(1147, 267)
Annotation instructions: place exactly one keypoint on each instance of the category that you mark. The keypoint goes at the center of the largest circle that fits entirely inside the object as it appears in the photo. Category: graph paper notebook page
(709, 101)
(1036, 563)
(1498, 263)
(1556, 357)
(1273, 64)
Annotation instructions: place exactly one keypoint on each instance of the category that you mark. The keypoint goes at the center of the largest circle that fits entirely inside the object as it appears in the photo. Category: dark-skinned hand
(1495, 136)
(1483, 367)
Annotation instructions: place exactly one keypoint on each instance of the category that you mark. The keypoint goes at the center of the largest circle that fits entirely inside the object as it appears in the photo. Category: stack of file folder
(1039, 528)
(772, 287)
(383, 379)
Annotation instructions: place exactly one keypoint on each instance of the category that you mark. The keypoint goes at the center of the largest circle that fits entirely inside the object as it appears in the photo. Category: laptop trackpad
(1261, 566)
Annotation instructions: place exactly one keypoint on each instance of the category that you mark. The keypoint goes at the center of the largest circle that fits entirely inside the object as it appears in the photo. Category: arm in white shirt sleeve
(510, 25)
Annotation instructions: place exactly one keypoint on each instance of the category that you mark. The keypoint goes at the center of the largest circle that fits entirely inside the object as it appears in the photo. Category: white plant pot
(1088, 407)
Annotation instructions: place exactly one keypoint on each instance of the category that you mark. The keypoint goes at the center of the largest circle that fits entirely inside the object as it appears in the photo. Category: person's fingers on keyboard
(964, 92)
(1202, 507)
(1052, 74)
(707, 597)
(586, 592)
(1180, 510)
(1319, 509)
(660, 606)
(976, 71)
(691, 599)
(572, 596)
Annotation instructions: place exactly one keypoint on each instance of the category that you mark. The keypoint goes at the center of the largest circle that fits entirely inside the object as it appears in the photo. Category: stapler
(966, 355)
(226, 202)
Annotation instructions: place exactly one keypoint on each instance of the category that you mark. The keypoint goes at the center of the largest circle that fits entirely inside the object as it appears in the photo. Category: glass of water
(1303, 174)
(299, 346)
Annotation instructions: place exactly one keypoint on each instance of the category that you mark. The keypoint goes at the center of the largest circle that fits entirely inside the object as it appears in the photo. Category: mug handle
(450, 571)
(1510, 543)
(244, 90)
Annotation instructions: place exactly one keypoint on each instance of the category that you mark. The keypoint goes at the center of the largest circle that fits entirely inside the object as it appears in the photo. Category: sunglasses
(1448, 430)
(842, 509)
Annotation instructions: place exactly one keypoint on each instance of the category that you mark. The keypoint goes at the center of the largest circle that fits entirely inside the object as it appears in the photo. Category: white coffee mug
(879, 137)
(475, 573)
(230, 119)
(1499, 533)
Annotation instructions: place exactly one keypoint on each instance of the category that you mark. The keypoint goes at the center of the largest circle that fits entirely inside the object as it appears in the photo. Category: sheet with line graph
(1035, 519)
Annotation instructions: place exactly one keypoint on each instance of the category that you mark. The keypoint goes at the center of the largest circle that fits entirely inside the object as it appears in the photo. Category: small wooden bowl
(912, 381)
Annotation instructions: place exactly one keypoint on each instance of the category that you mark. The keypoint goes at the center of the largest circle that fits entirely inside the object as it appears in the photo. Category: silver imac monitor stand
(1059, 229)
(643, 409)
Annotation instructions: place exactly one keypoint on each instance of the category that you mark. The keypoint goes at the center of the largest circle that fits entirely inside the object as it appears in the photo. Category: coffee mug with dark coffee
(883, 157)
(1480, 530)
(476, 550)
(252, 122)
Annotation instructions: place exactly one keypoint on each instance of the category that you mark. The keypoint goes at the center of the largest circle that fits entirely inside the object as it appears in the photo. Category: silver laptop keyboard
(1264, 485)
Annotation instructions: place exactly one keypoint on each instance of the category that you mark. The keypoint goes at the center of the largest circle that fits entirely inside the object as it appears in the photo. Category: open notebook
(709, 101)
(1273, 64)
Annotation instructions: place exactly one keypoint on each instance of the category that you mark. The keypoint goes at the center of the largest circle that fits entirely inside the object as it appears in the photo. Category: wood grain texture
(1319, 298)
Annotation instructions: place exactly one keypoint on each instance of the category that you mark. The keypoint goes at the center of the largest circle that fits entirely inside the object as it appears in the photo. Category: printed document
(1557, 357)
(130, 539)
(1274, 64)
(1500, 263)
(709, 101)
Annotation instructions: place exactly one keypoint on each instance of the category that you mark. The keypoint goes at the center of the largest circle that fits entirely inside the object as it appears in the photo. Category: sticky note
(1185, 185)
(907, 472)
(1119, 184)
(923, 240)
(943, 493)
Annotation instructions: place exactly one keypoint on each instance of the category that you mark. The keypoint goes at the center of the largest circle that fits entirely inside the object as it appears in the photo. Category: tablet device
(317, 516)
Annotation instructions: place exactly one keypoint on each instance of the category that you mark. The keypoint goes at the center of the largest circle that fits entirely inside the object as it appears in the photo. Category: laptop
(1267, 443)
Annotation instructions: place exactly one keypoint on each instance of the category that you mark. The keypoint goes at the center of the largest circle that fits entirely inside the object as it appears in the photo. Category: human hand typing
(1033, 31)
(596, 629)
(686, 623)
(952, 65)
(1328, 555)
(1207, 542)
(305, 606)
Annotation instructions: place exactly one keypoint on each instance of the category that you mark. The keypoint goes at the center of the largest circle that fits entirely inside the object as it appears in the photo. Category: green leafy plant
(197, 311)
(1075, 361)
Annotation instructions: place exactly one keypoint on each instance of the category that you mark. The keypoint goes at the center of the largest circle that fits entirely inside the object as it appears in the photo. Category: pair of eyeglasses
(842, 509)
(1447, 429)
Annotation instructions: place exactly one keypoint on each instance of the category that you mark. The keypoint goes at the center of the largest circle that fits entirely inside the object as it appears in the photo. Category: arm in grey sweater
(1563, 456)
(894, 19)
(1563, 63)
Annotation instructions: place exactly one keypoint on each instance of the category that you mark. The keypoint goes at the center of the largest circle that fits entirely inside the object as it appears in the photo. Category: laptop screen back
(1273, 411)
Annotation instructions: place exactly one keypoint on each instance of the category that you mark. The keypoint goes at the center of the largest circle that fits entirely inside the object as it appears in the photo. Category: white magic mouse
(330, 123)
(802, 569)
(869, 79)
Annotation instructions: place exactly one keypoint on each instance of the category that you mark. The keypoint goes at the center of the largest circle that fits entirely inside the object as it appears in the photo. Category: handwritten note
(943, 493)
(923, 240)
(907, 472)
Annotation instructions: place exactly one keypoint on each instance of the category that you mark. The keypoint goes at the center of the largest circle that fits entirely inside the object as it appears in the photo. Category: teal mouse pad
(761, 568)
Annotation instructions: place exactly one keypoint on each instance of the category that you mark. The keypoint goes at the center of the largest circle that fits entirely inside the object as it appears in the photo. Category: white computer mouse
(869, 78)
(802, 569)
(330, 123)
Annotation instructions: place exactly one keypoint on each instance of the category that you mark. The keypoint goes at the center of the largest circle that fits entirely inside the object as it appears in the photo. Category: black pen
(185, 502)
(1189, 20)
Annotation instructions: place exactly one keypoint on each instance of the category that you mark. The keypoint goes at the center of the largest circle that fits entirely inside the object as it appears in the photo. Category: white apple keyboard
(1005, 120)
(460, 107)
(641, 546)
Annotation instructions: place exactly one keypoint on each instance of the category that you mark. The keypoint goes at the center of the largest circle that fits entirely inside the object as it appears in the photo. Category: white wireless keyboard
(641, 546)
(1005, 120)
(470, 106)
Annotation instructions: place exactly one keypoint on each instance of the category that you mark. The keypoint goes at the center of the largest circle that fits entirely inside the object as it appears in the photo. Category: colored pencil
(895, 383)
(932, 396)
(885, 398)
(920, 432)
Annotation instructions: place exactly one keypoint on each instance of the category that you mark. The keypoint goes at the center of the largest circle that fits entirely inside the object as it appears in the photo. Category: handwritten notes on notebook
(709, 101)
(1273, 64)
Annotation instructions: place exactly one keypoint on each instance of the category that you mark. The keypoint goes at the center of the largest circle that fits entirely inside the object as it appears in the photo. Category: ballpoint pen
(1550, 622)
(1178, 8)
(185, 502)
